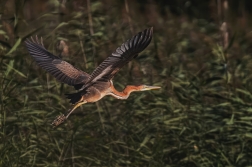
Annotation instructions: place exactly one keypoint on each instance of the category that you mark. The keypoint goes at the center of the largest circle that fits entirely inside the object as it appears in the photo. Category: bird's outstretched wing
(122, 55)
(61, 70)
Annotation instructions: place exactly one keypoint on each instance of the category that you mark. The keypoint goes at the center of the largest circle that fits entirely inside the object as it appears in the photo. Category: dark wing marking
(58, 68)
(123, 54)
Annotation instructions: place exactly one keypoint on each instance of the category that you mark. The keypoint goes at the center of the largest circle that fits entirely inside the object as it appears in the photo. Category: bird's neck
(125, 93)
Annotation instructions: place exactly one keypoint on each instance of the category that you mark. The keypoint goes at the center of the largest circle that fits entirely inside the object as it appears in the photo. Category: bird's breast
(93, 94)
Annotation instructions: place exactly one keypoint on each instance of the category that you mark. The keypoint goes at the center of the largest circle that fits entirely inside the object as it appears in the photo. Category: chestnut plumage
(99, 83)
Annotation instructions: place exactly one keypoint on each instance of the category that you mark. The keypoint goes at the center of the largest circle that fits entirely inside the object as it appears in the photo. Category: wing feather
(61, 70)
(122, 55)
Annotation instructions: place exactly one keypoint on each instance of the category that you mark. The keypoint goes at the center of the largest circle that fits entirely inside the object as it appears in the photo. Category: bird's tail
(74, 97)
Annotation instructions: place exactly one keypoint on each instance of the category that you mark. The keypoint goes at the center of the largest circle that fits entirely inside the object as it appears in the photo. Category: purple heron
(98, 84)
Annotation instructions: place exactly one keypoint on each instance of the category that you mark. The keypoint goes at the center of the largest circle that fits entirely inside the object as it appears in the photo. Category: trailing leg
(61, 118)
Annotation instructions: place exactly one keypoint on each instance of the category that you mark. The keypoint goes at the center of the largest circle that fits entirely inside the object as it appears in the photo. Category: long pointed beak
(151, 87)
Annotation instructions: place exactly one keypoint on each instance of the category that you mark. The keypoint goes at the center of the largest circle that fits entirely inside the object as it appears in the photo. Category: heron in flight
(98, 84)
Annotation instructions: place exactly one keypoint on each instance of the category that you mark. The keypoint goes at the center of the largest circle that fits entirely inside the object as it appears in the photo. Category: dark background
(200, 55)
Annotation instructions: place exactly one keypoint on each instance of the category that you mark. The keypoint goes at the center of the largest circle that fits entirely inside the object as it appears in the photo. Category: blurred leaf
(10, 67)
(249, 135)
(99, 34)
(146, 139)
(15, 46)
(96, 6)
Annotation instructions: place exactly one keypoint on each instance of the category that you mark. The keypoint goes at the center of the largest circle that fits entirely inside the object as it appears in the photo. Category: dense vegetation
(202, 116)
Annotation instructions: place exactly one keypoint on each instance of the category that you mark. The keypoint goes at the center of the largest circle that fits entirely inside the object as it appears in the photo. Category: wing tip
(30, 40)
(145, 38)
(137, 43)
(151, 29)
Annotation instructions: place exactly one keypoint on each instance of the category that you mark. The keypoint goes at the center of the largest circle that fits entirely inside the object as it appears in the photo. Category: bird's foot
(60, 119)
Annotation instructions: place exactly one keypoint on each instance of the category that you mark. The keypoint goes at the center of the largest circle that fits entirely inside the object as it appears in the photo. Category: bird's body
(99, 83)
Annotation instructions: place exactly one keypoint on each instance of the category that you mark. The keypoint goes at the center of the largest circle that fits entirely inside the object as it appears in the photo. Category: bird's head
(146, 87)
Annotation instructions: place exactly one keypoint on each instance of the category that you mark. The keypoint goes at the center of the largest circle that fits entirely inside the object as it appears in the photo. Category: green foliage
(201, 116)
